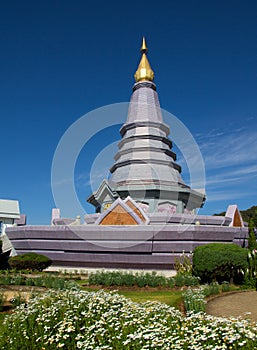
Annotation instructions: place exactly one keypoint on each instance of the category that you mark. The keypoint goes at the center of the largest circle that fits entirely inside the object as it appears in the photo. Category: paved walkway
(242, 304)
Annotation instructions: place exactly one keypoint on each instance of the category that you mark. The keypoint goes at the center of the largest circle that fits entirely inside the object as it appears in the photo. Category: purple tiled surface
(141, 246)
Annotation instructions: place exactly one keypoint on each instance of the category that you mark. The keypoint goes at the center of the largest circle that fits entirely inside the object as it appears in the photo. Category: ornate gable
(121, 212)
(137, 209)
(233, 213)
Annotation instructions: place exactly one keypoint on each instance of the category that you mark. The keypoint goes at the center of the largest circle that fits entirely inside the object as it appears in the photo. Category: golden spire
(144, 71)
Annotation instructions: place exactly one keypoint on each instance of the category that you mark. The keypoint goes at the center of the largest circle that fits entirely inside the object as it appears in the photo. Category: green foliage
(223, 213)
(225, 287)
(211, 289)
(219, 262)
(194, 299)
(185, 280)
(183, 264)
(250, 214)
(48, 281)
(87, 320)
(171, 298)
(117, 278)
(7, 278)
(250, 274)
(30, 261)
(252, 244)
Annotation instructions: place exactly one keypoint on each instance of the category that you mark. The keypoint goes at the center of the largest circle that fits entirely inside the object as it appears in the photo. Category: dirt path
(242, 304)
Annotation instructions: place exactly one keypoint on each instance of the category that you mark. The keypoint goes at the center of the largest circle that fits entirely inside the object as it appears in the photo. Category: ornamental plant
(118, 278)
(30, 261)
(183, 264)
(220, 262)
(250, 274)
(74, 320)
(195, 298)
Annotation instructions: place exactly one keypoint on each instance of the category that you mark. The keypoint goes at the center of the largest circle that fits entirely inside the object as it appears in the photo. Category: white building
(9, 212)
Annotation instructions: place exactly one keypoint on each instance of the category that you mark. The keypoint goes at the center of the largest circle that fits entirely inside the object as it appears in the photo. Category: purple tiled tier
(139, 246)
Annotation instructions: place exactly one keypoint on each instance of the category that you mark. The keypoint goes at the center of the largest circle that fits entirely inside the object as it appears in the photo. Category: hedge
(220, 262)
(30, 261)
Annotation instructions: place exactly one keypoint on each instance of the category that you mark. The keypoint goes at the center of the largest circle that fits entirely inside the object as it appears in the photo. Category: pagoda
(145, 167)
(145, 214)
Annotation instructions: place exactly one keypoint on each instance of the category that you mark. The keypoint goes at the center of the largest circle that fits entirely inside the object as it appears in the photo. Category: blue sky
(62, 59)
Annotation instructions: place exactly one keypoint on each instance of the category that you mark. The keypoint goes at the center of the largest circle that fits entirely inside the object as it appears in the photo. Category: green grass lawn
(140, 295)
(172, 298)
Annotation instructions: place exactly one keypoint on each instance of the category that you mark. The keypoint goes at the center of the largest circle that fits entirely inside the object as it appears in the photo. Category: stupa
(145, 167)
(145, 215)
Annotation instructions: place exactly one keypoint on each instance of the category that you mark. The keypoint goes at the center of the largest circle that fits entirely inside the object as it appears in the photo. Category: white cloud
(92, 179)
(234, 148)
(230, 158)
(232, 176)
(61, 182)
(216, 196)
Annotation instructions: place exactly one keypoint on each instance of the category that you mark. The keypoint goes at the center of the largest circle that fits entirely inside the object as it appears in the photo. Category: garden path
(242, 304)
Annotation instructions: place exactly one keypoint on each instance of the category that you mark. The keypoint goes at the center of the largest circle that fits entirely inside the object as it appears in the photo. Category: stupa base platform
(153, 246)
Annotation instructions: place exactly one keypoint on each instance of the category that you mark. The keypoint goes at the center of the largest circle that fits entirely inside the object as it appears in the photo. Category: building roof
(9, 209)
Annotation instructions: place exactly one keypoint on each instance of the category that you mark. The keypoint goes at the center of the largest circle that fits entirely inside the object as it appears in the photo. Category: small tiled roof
(9, 209)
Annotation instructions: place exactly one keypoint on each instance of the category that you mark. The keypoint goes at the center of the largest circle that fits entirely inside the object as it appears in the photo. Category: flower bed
(99, 320)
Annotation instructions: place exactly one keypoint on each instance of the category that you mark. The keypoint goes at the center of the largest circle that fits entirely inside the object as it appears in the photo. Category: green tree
(252, 244)
(250, 214)
(247, 215)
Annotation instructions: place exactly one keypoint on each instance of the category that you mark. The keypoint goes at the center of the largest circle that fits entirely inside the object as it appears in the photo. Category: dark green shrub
(220, 262)
(30, 261)
(252, 244)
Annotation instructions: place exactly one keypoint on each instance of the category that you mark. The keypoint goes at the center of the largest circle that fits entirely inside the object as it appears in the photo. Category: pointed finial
(144, 48)
(144, 71)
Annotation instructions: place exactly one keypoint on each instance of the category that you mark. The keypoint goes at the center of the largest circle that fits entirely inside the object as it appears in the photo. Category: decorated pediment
(123, 212)
(137, 208)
